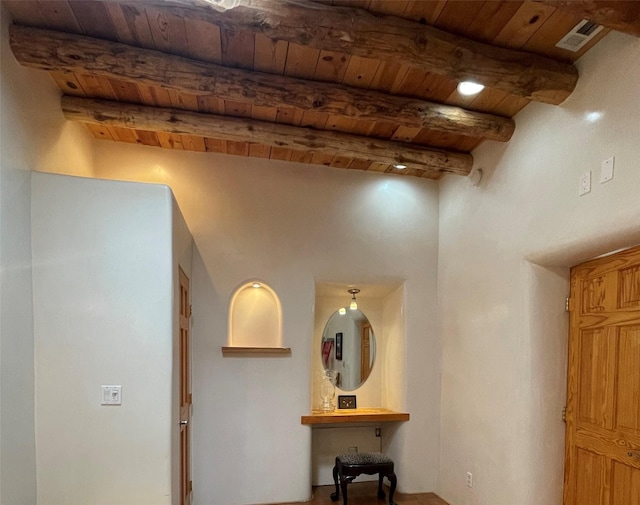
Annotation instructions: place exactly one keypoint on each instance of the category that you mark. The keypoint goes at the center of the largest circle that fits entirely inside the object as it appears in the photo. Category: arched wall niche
(255, 320)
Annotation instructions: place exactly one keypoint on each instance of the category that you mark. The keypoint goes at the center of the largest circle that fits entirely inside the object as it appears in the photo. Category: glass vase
(328, 390)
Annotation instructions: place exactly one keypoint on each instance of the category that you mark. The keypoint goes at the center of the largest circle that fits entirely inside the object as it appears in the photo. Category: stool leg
(343, 485)
(381, 493)
(335, 496)
(393, 481)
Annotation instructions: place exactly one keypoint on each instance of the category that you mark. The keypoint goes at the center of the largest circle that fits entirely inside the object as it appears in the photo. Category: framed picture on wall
(339, 346)
(327, 353)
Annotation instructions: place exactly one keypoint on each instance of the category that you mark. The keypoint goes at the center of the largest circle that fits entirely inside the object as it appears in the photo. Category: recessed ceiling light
(468, 88)
(400, 166)
(594, 116)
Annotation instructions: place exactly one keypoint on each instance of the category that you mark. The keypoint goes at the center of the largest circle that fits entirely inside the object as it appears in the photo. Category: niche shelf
(353, 416)
(255, 351)
(255, 322)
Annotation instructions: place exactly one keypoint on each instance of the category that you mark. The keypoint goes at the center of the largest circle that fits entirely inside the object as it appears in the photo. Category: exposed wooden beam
(51, 50)
(622, 16)
(360, 33)
(140, 117)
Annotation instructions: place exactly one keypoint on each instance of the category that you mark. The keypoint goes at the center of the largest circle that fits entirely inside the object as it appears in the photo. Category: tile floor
(366, 493)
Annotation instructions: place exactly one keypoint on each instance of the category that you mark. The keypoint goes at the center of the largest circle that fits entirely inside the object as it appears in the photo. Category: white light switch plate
(111, 395)
(606, 170)
(584, 184)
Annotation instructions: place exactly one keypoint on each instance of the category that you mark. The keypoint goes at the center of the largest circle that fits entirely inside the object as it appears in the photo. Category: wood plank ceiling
(354, 84)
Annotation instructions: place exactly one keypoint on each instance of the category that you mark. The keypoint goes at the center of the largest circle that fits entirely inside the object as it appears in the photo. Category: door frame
(184, 388)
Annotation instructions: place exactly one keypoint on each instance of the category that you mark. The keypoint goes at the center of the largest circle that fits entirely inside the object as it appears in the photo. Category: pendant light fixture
(353, 305)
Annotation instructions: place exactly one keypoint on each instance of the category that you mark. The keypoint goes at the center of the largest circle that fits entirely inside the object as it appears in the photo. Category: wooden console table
(353, 416)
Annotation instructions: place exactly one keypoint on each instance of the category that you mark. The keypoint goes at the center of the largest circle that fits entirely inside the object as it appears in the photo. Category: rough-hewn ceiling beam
(51, 50)
(140, 117)
(389, 38)
(621, 16)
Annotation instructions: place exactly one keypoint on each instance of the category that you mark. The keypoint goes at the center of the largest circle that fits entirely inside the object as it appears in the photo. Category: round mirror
(348, 347)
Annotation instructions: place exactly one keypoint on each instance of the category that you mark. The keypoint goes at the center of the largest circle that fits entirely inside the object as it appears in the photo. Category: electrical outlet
(111, 395)
(469, 479)
(584, 184)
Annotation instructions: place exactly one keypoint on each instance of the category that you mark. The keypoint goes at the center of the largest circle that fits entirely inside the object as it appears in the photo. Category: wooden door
(185, 392)
(602, 464)
(365, 351)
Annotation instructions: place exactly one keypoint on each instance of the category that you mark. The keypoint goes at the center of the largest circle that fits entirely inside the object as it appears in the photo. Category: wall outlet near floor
(469, 479)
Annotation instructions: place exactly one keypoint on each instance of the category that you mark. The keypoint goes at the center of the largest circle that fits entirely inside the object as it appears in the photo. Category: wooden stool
(350, 465)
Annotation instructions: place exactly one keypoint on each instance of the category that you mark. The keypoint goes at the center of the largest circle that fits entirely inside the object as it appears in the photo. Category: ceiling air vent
(582, 33)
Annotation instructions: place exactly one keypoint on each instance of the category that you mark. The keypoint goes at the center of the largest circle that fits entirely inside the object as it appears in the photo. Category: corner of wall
(35, 134)
(17, 424)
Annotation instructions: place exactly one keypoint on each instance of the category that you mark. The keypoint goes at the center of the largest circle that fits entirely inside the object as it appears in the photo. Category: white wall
(328, 442)
(392, 351)
(33, 135)
(103, 286)
(289, 225)
(503, 324)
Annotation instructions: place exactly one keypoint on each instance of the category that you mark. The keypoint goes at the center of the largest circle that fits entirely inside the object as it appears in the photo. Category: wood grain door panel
(625, 485)
(628, 406)
(590, 482)
(597, 378)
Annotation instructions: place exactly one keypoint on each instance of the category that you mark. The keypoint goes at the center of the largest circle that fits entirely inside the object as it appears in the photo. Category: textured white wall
(327, 443)
(503, 324)
(392, 351)
(33, 135)
(291, 225)
(103, 281)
